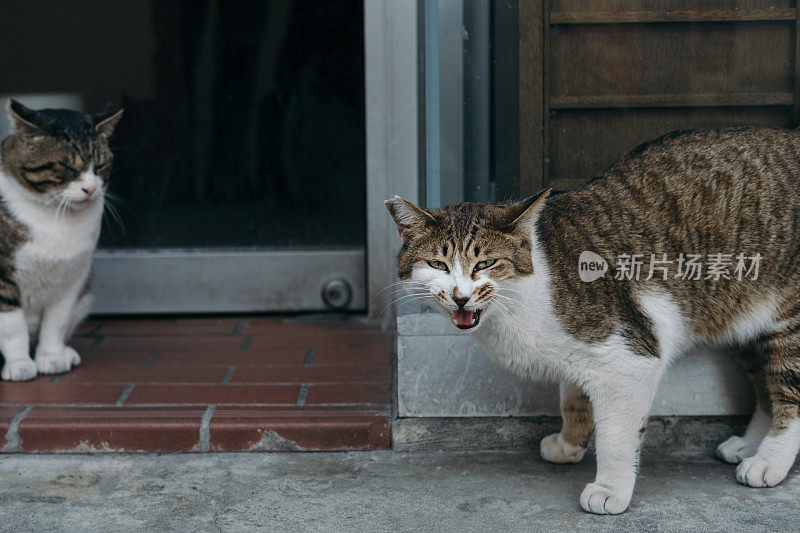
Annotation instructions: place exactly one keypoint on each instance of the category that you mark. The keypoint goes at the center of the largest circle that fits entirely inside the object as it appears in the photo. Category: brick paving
(208, 384)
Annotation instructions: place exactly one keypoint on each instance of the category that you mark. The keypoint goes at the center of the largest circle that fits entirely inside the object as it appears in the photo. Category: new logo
(591, 266)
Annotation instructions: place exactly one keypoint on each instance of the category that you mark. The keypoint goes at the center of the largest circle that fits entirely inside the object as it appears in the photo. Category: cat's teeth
(464, 318)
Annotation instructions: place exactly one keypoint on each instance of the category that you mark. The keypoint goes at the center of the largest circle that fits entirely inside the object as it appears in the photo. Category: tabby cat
(54, 170)
(513, 276)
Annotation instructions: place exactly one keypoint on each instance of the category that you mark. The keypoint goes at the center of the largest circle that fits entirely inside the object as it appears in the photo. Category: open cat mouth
(465, 319)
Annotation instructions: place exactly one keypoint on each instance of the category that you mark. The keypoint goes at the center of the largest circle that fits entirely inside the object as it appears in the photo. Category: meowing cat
(509, 274)
(54, 170)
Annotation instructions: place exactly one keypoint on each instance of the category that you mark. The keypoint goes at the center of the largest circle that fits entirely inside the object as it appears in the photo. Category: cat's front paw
(735, 449)
(598, 499)
(555, 450)
(755, 472)
(57, 363)
(19, 370)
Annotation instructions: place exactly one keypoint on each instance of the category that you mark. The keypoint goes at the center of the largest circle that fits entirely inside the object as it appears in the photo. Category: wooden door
(599, 78)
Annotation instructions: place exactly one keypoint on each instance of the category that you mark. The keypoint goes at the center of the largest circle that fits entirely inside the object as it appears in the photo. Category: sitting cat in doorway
(54, 171)
(691, 240)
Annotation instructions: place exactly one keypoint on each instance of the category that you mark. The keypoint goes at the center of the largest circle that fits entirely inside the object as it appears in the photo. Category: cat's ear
(525, 210)
(105, 123)
(23, 117)
(408, 217)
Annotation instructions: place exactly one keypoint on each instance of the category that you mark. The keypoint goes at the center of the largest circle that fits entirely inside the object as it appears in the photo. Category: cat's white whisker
(502, 306)
(397, 292)
(111, 209)
(413, 283)
(411, 295)
(515, 301)
(61, 203)
(402, 299)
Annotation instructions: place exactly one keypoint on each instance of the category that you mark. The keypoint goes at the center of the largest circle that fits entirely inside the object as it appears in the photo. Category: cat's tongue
(462, 317)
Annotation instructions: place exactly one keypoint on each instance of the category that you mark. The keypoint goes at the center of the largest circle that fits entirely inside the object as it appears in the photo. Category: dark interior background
(244, 122)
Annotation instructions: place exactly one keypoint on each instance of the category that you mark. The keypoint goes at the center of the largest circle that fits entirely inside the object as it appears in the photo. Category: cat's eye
(40, 168)
(438, 265)
(485, 264)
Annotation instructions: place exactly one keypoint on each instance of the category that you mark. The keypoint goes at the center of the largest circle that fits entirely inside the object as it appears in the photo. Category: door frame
(210, 281)
(392, 63)
(154, 280)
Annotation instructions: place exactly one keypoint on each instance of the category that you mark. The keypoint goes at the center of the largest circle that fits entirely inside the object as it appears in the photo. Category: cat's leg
(79, 314)
(736, 448)
(14, 340)
(53, 356)
(621, 398)
(778, 449)
(14, 345)
(569, 445)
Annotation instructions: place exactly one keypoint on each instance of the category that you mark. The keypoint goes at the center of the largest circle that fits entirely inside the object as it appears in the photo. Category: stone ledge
(429, 323)
(444, 373)
(682, 436)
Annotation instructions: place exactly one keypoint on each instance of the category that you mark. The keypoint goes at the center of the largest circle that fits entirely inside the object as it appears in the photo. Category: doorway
(240, 177)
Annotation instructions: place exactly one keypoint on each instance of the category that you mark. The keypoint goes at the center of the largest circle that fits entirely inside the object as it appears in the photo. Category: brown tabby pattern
(12, 236)
(577, 423)
(739, 191)
(731, 192)
(49, 149)
(471, 231)
(52, 147)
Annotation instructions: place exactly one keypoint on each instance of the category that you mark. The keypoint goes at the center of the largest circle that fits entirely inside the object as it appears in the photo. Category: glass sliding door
(239, 181)
(460, 69)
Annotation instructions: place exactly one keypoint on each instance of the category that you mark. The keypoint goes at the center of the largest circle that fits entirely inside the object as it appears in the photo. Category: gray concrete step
(372, 491)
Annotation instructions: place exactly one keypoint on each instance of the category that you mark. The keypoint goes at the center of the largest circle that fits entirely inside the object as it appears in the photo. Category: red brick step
(208, 384)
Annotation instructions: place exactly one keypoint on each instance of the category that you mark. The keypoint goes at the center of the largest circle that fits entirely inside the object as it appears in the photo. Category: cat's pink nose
(89, 189)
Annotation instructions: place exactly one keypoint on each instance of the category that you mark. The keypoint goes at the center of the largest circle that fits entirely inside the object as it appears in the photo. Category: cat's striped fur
(54, 170)
(608, 341)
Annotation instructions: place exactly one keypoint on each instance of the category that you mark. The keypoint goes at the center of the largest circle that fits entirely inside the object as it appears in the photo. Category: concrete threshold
(674, 436)
(372, 491)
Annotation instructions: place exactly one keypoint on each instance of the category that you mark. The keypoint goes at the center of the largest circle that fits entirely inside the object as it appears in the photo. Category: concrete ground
(371, 491)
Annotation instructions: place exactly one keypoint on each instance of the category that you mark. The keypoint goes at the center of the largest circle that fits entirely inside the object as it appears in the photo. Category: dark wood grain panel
(689, 15)
(796, 102)
(584, 143)
(672, 59)
(619, 73)
(670, 100)
(619, 6)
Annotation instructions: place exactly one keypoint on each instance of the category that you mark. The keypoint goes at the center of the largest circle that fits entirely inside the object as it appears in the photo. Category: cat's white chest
(58, 255)
(58, 252)
(529, 338)
(530, 341)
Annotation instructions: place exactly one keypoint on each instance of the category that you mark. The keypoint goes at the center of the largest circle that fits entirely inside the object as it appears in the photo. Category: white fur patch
(772, 461)
(674, 336)
(555, 450)
(59, 251)
(51, 268)
(751, 324)
(669, 326)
